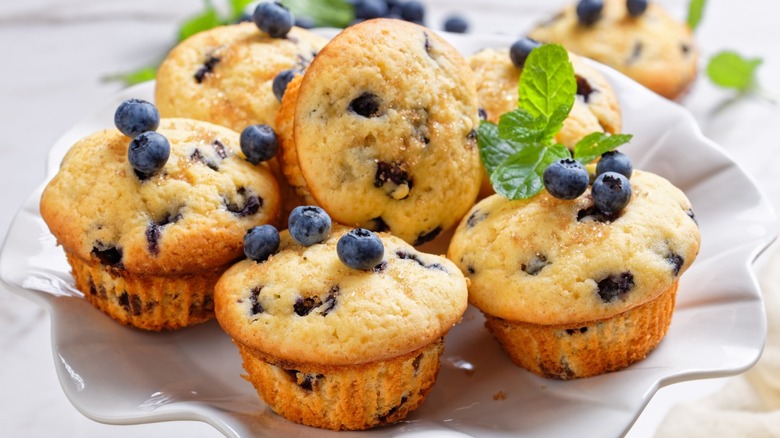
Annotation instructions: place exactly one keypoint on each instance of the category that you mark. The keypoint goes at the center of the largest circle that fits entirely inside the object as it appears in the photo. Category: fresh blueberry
(148, 153)
(615, 161)
(273, 19)
(636, 7)
(258, 143)
(360, 249)
(413, 11)
(520, 50)
(309, 224)
(589, 11)
(368, 9)
(281, 81)
(260, 242)
(133, 117)
(456, 24)
(611, 192)
(566, 178)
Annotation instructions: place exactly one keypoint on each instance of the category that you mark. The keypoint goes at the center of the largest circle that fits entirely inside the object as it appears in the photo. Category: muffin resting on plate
(569, 292)
(380, 131)
(652, 48)
(334, 347)
(148, 250)
(225, 75)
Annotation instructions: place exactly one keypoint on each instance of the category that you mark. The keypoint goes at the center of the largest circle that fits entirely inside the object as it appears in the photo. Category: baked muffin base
(572, 351)
(147, 302)
(349, 397)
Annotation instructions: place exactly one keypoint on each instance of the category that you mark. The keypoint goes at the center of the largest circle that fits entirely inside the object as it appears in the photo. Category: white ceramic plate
(114, 374)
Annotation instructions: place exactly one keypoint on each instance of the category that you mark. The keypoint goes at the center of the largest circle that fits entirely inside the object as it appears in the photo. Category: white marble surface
(56, 53)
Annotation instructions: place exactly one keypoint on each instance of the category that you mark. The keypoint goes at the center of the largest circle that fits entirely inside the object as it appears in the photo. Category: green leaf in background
(493, 149)
(730, 70)
(547, 86)
(593, 145)
(695, 13)
(207, 19)
(135, 77)
(237, 8)
(324, 13)
(520, 176)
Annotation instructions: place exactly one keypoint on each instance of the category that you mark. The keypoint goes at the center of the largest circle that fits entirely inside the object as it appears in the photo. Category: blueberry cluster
(148, 151)
(409, 10)
(308, 225)
(611, 191)
(589, 11)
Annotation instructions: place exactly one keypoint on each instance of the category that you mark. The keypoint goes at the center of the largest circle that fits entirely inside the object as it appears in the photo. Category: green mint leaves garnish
(695, 13)
(517, 150)
(730, 70)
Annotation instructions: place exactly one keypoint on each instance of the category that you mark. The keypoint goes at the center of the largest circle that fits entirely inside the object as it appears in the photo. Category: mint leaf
(143, 74)
(695, 13)
(203, 21)
(237, 8)
(493, 149)
(324, 13)
(547, 86)
(730, 70)
(593, 145)
(520, 175)
(520, 126)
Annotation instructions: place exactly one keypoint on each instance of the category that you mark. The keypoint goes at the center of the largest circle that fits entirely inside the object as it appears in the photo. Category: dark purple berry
(366, 105)
(258, 143)
(565, 179)
(281, 81)
(133, 117)
(611, 192)
(309, 224)
(636, 7)
(413, 11)
(589, 11)
(360, 249)
(614, 161)
(148, 153)
(368, 9)
(260, 242)
(520, 50)
(456, 24)
(273, 19)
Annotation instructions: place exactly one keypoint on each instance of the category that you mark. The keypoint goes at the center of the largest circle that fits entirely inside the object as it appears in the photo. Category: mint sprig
(516, 152)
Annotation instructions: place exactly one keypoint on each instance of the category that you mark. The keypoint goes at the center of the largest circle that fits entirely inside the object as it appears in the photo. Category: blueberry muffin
(149, 250)
(651, 47)
(225, 75)
(595, 109)
(569, 292)
(383, 131)
(335, 347)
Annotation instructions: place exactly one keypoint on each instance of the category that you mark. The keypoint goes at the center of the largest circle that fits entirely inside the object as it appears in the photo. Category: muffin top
(654, 49)
(304, 305)
(595, 108)
(225, 75)
(191, 215)
(384, 130)
(549, 261)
